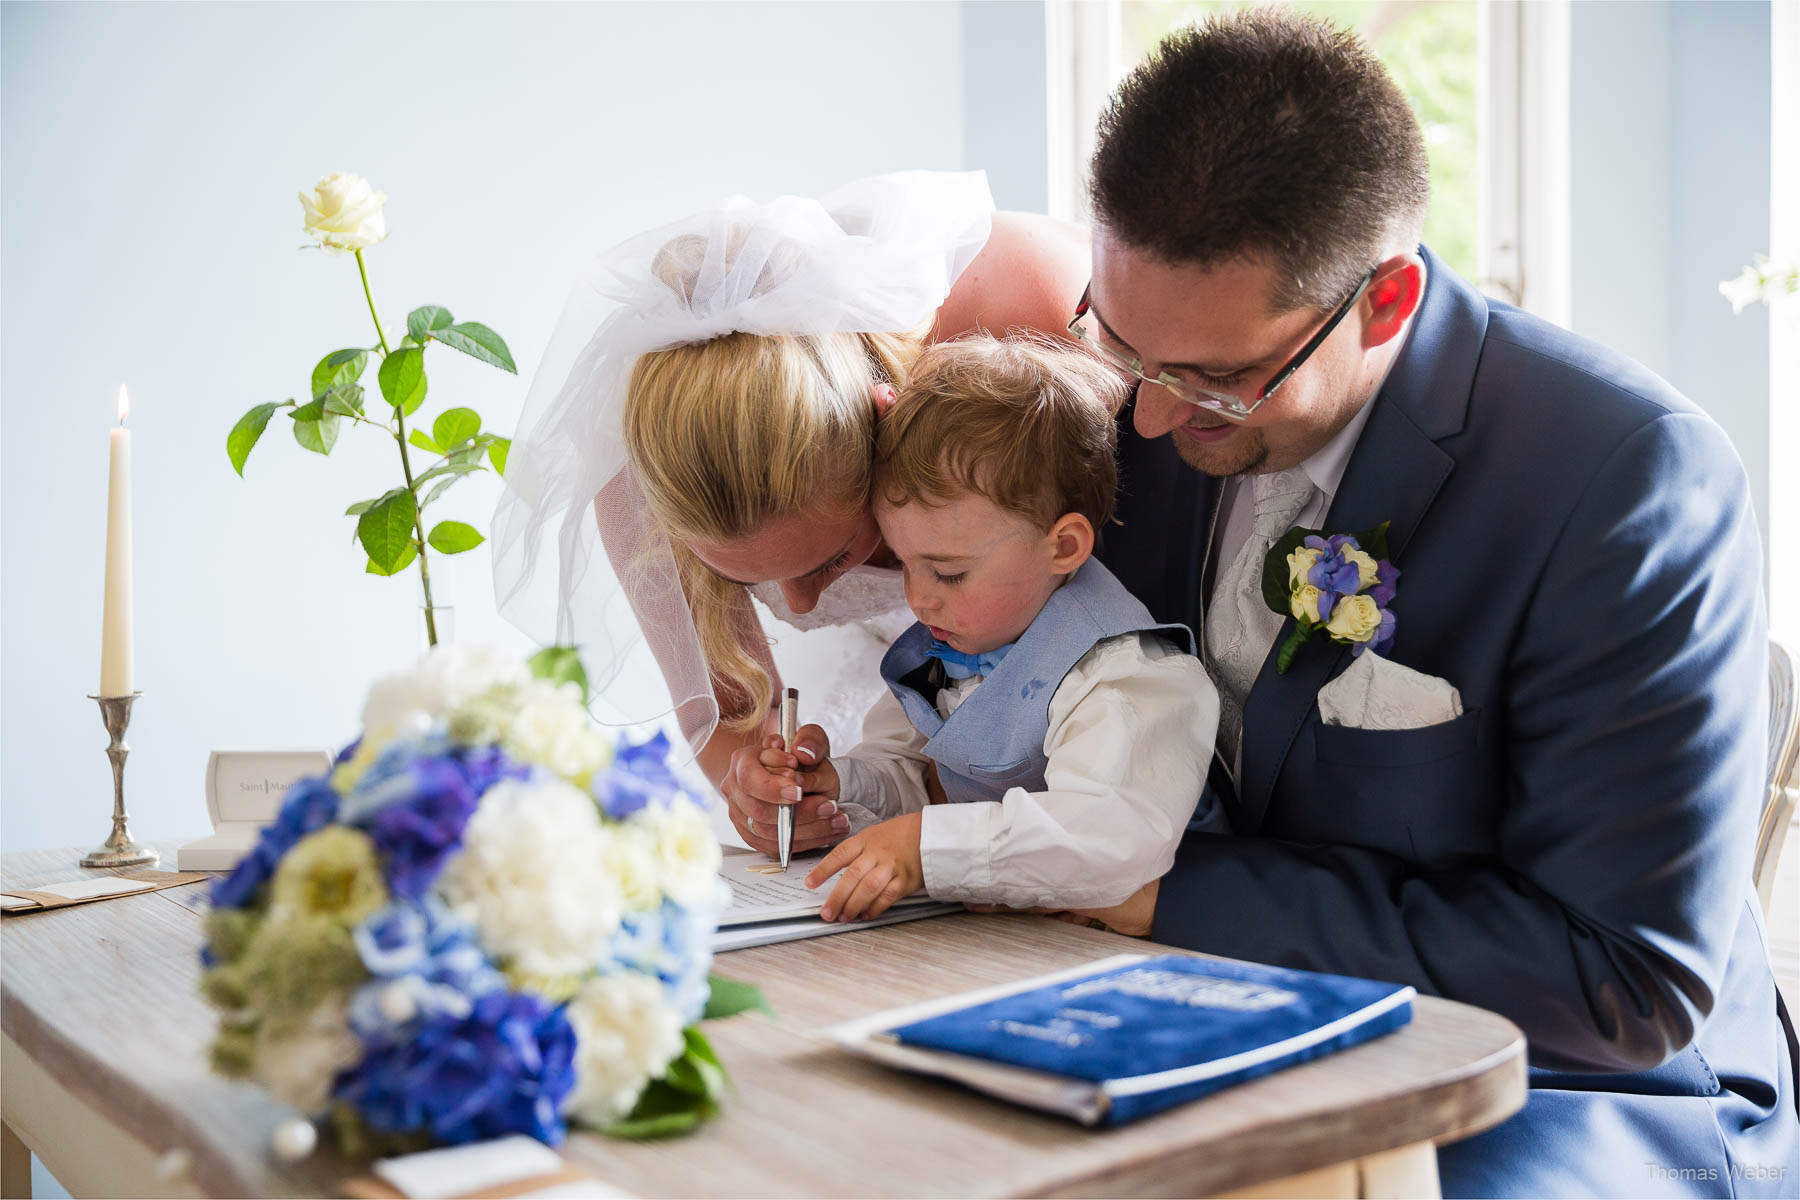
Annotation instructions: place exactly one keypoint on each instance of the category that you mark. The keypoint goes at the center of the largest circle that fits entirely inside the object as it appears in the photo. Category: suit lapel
(1393, 475)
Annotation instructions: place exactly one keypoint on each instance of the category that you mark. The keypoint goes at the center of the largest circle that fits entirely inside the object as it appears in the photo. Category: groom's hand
(763, 778)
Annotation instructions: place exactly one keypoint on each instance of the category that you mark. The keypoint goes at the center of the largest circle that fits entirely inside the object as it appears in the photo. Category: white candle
(115, 629)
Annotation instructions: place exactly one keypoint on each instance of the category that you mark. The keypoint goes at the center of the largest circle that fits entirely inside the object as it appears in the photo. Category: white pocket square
(1378, 694)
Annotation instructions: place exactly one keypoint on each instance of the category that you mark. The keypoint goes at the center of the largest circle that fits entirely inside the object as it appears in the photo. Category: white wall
(151, 156)
(1670, 108)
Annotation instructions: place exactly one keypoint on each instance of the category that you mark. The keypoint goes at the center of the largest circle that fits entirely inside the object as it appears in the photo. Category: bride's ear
(884, 398)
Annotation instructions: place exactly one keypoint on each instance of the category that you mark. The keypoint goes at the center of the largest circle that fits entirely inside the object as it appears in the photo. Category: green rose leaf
(1374, 542)
(402, 379)
(477, 341)
(411, 552)
(422, 440)
(446, 468)
(562, 664)
(422, 320)
(244, 435)
(454, 427)
(663, 1111)
(337, 368)
(345, 400)
(454, 537)
(443, 485)
(385, 530)
(729, 997)
(497, 453)
(360, 507)
(314, 428)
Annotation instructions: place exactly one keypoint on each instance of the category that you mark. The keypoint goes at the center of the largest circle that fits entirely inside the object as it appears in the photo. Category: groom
(1543, 798)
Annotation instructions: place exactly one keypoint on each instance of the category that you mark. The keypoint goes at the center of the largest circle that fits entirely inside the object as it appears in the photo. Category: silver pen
(784, 819)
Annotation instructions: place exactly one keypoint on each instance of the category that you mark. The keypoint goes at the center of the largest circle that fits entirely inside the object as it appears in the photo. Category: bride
(706, 409)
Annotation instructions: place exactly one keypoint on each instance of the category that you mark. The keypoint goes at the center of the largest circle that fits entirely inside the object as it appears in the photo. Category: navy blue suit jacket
(1579, 557)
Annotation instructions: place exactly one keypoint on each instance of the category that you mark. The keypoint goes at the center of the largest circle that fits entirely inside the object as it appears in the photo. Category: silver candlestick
(119, 850)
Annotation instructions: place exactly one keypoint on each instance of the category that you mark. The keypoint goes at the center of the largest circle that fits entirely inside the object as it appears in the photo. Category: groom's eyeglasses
(1092, 333)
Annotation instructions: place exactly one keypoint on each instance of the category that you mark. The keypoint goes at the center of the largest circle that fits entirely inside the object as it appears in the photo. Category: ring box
(244, 790)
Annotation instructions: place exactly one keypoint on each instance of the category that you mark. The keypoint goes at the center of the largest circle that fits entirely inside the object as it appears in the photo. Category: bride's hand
(761, 779)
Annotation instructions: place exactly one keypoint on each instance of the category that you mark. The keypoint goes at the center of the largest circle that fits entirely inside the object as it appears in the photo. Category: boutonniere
(1338, 584)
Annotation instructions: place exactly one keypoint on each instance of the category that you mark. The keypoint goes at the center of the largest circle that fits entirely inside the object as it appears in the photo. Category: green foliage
(386, 529)
(422, 320)
(685, 1096)
(344, 400)
(477, 341)
(338, 368)
(562, 664)
(729, 997)
(402, 379)
(497, 453)
(245, 433)
(423, 441)
(453, 427)
(406, 556)
(454, 537)
(314, 428)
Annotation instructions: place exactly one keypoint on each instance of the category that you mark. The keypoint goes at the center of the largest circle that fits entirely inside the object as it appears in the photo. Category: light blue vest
(995, 738)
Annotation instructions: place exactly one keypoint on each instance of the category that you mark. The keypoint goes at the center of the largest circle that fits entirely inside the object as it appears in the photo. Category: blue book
(1128, 1036)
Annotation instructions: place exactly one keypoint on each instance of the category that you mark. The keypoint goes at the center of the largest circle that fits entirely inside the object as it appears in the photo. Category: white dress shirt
(1131, 732)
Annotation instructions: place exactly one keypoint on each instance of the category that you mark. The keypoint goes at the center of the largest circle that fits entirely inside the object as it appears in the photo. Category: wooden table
(106, 1079)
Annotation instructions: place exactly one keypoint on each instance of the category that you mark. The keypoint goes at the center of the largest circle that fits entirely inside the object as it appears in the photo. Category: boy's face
(976, 575)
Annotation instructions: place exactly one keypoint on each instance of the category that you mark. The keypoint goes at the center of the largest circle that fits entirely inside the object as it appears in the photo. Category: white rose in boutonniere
(1338, 584)
(344, 213)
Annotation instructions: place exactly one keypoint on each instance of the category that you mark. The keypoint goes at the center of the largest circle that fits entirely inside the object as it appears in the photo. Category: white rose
(687, 850)
(1300, 560)
(1354, 618)
(626, 1033)
(1305, 603)
(1366, 569)
(526, 877)
(553, 730)
(344, 213)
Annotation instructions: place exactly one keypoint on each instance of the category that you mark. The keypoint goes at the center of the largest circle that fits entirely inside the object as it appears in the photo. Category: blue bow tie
(958, 665)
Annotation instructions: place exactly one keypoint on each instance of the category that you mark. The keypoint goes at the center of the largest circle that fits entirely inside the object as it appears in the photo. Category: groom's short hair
(1269, 136)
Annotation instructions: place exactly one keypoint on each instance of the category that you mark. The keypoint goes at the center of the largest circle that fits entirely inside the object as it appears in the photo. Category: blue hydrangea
(638, 775)
(423, 963)
(504, 1068)
(416, 799)
(675, 945)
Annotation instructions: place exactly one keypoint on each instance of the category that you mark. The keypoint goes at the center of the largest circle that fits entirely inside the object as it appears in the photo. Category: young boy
(1069, 731)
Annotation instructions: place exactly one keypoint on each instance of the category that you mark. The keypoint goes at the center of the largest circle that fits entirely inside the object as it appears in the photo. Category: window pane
(1432, 49)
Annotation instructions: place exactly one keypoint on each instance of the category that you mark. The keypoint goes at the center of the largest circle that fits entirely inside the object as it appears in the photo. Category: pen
(784, 820)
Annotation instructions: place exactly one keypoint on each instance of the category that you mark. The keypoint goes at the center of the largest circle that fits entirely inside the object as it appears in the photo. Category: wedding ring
(750, 824)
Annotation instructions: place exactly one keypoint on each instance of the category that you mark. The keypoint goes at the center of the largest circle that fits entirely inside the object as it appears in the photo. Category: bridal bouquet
(490, 917)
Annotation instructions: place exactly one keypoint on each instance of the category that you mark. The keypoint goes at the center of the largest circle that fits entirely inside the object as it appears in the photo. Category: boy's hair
(1263, 133)
(1026, 422)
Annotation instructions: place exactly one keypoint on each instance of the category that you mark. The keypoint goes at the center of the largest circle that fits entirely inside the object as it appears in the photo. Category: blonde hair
(1025, 422)
(725, 435)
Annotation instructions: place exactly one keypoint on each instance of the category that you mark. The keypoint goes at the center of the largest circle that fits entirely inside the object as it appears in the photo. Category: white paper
(80, 889)
(762, 891)
(468, 1170)
(765, 933)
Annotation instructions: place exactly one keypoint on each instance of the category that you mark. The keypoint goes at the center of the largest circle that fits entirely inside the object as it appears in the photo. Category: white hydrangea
(298, 1067)
(686, 849)
(550, 728)
(630, 860)
(528, 878)
(626, 1033)
(450, 675)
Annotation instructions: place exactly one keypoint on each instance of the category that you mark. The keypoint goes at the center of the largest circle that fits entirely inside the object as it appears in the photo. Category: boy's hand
(881, 865)
(762, 779)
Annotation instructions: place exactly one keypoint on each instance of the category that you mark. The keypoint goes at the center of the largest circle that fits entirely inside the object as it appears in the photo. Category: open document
(772, 905)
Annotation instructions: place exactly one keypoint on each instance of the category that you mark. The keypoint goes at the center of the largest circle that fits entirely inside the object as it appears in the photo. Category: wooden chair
(1784, 768)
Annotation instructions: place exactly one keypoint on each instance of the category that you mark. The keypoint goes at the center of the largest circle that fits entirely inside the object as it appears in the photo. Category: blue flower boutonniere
(1338, 584)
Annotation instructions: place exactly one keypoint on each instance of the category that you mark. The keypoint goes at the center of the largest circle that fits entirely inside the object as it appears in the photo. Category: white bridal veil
(876, 256)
